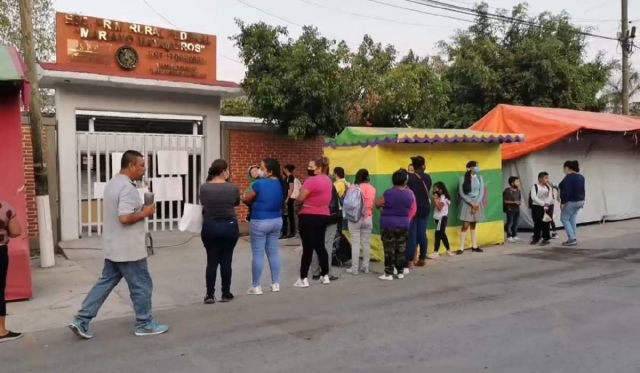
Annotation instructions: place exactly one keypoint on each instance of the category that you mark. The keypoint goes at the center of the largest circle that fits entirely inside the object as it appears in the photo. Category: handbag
(546, 218)
(191, 220)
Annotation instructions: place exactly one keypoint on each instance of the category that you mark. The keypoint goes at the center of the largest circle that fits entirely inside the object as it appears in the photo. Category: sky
(344, 20)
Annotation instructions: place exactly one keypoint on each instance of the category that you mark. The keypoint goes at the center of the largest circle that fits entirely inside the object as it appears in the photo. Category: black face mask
(311, 173)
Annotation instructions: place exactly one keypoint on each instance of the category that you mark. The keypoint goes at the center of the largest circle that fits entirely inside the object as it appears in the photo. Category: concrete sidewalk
(178, 268)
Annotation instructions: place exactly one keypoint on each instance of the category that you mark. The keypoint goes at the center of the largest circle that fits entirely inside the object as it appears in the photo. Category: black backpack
(334, 205)
(341, 251)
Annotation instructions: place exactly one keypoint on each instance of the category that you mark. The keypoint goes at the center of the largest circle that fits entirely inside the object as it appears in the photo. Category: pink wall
(12, 191)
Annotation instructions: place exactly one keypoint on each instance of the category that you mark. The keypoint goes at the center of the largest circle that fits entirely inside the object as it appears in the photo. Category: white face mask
(260, 173)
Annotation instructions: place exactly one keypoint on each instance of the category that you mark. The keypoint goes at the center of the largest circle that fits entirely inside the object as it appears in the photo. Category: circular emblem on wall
(127, 58)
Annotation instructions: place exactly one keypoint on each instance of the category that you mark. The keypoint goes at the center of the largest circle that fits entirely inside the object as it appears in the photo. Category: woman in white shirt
(540, 200)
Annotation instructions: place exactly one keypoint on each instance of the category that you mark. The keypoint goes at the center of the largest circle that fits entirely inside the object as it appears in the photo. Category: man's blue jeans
(569, 218)
(264, 238)
(138, 278)
(417, 236)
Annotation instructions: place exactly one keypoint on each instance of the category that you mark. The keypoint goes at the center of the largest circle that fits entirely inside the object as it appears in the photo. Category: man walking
(125, 251)
(420, 184)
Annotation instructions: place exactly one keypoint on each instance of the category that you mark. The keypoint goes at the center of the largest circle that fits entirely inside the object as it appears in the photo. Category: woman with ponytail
(471, 208)
(314, 199)
(266, 198)
(220, 230)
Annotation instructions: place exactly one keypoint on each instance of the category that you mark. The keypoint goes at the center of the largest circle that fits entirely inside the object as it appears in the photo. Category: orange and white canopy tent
(544, 127)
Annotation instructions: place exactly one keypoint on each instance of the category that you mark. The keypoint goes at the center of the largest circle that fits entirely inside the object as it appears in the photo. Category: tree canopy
(313, 86)
(43, 27)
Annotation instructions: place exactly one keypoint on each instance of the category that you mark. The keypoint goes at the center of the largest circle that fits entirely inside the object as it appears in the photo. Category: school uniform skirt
(466, 215)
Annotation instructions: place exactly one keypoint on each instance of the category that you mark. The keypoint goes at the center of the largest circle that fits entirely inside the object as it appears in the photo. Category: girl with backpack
(358, 211)
(471, 208)
(441, 201)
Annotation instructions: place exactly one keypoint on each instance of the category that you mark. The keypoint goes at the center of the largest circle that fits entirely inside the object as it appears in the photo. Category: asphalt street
(530, 310)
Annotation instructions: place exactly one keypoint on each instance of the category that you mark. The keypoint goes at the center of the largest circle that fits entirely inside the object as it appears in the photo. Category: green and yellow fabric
(383, 151)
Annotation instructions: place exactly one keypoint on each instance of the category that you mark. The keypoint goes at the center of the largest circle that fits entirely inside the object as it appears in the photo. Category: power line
(286, 20)
(474, 12)
(270, 14)
(370, 17)
(420, 11)
(178, 28)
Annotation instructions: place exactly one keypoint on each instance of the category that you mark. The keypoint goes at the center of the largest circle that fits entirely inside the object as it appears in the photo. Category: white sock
(474, 241)
(463, 240)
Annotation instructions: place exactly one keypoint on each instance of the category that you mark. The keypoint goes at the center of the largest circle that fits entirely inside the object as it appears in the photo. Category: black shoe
(534, 242)
(459, 252)
(10, 336)
(333, 278)
(209, 299)
(226, 298)
(544, 243)
(315, 277)
(477, 250)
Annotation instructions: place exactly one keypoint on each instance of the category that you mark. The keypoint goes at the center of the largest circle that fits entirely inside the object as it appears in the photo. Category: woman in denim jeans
(266, 198)
(220, 230)
(572, 196)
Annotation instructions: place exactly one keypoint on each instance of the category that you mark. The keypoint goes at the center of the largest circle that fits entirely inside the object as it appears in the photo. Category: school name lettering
(144, 36)
(177, 70)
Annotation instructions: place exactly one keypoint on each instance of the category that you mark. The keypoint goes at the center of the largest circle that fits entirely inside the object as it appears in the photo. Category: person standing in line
(9, 228)
(471, 209)
(360, 231)
(334, 225)
(572, 197)
(398, 206)
(254, 174)
(420, 184)
(220, 232)
(441, 201)
(313, 218)
(512, 199)
(266, 198)
(125, 250)
(540, 199)
(293, 186)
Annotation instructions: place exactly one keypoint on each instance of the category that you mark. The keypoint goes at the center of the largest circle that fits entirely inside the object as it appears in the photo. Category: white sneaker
(275, 288)
(365, 270)
(404, 272)
(450, 253)
(325, 280)
(516, 239)
(301, 283)
(395, 270)
(400, 276)
(255, 290)
(433, 256)
(351, 271)
(511, 240)
(386, 277)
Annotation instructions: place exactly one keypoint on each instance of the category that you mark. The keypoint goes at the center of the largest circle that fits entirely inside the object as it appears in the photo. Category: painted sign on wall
(102, 46)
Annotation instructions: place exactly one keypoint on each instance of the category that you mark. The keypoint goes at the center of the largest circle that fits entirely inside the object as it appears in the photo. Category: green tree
(498, 61)
(294, 85)
(43, 27)
(612, 94)
(237, 107)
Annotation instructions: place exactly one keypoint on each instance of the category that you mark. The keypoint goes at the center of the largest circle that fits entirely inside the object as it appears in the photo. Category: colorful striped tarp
(446, 162)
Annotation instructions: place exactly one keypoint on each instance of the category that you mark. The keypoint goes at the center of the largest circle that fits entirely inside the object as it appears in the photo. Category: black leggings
(312, 228)
(441, 234)
(289, 220)
(4, 268)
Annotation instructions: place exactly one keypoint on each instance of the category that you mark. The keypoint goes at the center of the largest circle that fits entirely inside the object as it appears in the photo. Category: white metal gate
(172, 186)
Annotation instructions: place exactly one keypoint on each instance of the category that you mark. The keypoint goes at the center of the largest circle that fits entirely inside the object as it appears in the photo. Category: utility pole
(626, 49)
(45, 233)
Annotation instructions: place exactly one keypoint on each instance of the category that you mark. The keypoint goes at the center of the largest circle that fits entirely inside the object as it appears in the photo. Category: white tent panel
(610, 164)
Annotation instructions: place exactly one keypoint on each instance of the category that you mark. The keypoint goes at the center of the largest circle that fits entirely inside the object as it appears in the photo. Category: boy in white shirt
(540, 200)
